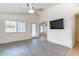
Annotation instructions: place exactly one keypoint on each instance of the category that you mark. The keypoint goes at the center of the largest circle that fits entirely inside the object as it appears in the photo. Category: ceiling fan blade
(39, 9)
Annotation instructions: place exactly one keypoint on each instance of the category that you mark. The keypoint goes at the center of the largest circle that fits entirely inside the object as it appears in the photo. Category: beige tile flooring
(74, 51)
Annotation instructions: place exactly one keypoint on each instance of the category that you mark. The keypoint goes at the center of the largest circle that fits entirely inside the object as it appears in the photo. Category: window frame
(16, 31)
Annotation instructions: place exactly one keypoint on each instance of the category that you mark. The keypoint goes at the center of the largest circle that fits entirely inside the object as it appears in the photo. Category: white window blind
(21, 27)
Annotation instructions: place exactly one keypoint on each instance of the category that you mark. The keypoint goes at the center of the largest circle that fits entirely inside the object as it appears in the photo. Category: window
(21, 27)
(10, 26)
(13, 26)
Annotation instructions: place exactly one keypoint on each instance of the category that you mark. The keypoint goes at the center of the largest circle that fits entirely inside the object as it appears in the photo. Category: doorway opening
(43, 30)
(75, 49)
(76, 34)
(34, 30)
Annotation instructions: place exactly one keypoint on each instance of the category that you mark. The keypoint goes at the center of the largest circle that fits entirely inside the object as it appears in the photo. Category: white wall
(10, 37)
(61, 36)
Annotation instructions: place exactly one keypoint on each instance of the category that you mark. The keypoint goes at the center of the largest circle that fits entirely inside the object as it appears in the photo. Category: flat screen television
(57, 24)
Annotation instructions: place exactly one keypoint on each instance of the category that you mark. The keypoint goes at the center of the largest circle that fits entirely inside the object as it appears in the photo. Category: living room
(32, 29)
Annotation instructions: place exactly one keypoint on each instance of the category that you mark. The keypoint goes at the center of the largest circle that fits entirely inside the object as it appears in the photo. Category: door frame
(44, 23)
(73, 29)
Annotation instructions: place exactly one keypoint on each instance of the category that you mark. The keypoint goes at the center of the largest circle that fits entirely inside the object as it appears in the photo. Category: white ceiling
(21, 8)
(77, 4)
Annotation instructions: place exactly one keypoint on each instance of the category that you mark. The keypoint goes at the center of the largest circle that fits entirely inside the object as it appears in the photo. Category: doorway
(43, 30)
(77, 29)
(75, 49)
(34, 30)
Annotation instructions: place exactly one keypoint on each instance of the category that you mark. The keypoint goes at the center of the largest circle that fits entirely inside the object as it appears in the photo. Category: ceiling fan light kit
(31, 11)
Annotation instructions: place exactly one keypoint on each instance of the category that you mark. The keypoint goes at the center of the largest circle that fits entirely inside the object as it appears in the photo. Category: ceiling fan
(33, 10)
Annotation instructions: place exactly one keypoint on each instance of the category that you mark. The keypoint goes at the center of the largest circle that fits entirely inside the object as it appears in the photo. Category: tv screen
(57, 24)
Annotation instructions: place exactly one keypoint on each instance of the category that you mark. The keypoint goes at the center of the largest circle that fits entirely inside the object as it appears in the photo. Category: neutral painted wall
(60, 36)
(10, 37)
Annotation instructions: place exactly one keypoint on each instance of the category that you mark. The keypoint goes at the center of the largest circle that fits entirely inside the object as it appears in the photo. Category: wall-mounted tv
(57, 24)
